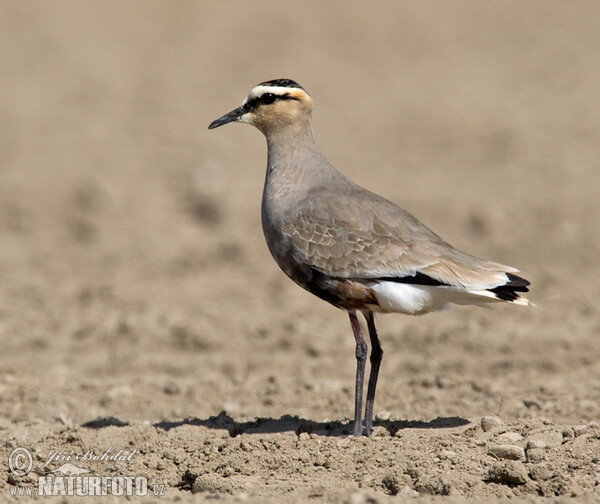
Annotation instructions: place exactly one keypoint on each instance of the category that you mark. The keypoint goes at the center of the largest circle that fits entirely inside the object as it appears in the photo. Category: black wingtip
(517, 283)
(511, 289)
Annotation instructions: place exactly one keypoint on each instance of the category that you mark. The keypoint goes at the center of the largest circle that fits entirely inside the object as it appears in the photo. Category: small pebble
(246, 447)
(382, 416)
(508, 452)
(568, 434)
(509, 437)
(580, 429)
(532, 404)
(391, 483)
(63, 419)
(211, 483)
(536, 443)
(490, 422)
(536, 454)
(540, 472)
(320, 460)
(408, 492)
(447, 455)
(304, 436)
(380, 431)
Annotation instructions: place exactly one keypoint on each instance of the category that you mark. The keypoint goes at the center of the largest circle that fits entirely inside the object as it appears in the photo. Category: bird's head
(271, 105)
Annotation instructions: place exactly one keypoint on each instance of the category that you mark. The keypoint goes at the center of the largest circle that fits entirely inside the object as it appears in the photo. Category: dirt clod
(508, 473)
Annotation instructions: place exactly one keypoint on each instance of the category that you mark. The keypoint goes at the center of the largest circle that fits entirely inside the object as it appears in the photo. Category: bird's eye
(268, 98)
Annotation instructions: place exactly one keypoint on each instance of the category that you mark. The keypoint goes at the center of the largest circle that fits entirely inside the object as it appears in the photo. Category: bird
(349, 246)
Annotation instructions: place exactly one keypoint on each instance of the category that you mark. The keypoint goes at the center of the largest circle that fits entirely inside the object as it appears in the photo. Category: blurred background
(134, 277)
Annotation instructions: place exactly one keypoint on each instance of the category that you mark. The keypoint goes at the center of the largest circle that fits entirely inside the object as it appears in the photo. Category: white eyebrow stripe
(277, 90)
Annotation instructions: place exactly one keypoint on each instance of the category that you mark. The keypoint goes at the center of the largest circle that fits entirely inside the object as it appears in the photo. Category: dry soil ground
(140, 309)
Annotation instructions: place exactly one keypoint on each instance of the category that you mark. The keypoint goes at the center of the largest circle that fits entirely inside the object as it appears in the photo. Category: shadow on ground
(286, 423)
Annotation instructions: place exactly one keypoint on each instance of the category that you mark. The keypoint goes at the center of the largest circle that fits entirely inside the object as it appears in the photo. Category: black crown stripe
(282, 83)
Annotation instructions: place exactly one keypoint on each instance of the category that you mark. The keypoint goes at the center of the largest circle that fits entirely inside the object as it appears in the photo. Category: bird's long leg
(376, 356)
(361, 359)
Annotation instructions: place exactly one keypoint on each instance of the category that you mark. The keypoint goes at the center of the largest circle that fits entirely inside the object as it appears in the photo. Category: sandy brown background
(135, 282)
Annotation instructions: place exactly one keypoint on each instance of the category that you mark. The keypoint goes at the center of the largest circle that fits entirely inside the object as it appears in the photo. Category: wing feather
(360, 235)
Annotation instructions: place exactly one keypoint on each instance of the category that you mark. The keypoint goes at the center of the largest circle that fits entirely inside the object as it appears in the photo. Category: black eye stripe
(267, 99)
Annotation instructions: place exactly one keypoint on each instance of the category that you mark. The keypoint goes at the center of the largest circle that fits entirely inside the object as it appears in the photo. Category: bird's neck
(293, 152)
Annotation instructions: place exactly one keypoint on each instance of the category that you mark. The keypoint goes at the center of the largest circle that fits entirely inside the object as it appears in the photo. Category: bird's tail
(510, 291)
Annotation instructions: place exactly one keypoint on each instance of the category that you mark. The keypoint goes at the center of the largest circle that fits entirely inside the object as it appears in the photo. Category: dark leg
(361, 359)
(376, 356)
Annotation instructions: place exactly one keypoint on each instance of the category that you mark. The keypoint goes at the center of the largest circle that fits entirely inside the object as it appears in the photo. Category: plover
(349, 246)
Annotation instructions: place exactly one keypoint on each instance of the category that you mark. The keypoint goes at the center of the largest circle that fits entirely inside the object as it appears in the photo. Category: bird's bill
(232, 116)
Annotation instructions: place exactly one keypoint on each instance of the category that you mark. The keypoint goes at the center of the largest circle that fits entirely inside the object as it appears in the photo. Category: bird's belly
(342, 293)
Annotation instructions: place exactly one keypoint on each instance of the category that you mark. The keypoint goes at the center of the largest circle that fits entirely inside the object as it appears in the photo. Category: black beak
(234, 115)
